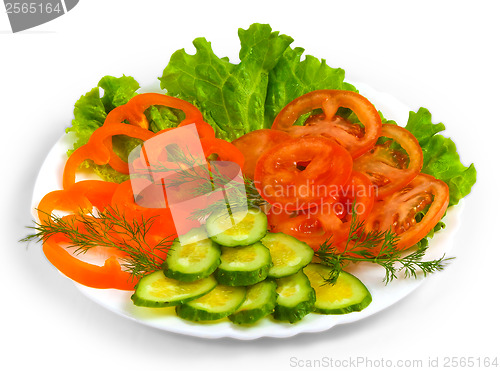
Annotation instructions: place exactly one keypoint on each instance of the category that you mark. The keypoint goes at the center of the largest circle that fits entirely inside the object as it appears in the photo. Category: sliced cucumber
(239, 229)
(218, 303)
(156, 290)
(347, 295)
(195, 258)
(243, 265)
(296, 298)
(289, 255)
(259, 302)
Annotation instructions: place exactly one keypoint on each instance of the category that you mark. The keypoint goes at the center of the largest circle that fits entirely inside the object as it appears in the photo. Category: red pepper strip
(204, 129)
(98, 192)
(126, 112)
(97, 150)
(225, 151)
(64, 201)
(124, 200)
(133, 112)
(108, 276)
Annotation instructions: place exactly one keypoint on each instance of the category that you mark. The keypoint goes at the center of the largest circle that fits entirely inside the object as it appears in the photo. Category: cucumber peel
(243, 265)
(260, 302)
(218, 303)
(295, 299)
(197, 257)
(241, 228)
(347, 295)
(289, 255)
(156, 290)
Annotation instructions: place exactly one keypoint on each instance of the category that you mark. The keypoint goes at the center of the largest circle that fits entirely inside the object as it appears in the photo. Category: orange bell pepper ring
(81, 197)
(224, 150)
(133, 112)
(98, 150)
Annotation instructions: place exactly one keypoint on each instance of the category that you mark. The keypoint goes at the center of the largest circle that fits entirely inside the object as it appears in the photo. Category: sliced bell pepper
(98, 150)
(133, 112)
(110, 275)
(224, 150)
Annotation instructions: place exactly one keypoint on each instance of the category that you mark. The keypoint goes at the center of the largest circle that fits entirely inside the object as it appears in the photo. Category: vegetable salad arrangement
(327, 182)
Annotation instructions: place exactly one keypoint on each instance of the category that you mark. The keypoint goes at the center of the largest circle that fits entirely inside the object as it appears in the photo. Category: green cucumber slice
(218, 303)
(289, 255)
(259, 302)
(242, 228)
(197, 257)
(243, 265)
(295, 299)
(155, 290)
(347, 295)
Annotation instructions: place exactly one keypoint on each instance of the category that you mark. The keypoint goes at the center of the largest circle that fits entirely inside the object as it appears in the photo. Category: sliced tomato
(330, 220)
(282, 179)
(399, 210)
(357, 139)
(390, 168)
(255, 143)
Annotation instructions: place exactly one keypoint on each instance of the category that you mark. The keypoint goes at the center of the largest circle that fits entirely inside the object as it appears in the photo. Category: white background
(436, 54)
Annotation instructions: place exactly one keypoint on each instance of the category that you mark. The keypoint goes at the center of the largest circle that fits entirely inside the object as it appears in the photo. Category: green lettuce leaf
(441, 158)
(238, 98)
(117, 91)
(161, 117)
(91, 111)
(231, 97)
(89, 115)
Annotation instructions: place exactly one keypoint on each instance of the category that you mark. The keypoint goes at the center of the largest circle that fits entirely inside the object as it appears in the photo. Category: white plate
(119, 302)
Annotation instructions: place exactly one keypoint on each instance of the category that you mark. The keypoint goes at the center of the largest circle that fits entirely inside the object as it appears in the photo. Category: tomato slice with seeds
(357, 139)
(399, 210)
(255, 143)
(389, 168)
(330, 220)
(282, 182)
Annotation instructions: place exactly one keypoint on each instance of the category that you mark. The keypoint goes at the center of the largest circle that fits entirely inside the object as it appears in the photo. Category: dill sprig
(239, 191)
(360, 245)
(108, 228)
(235, 198)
